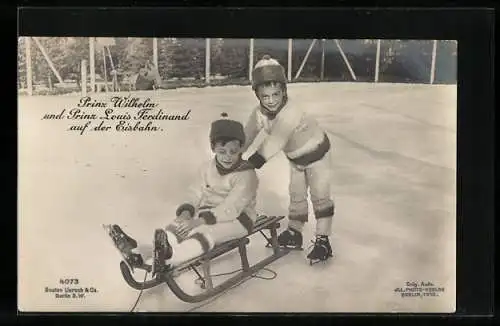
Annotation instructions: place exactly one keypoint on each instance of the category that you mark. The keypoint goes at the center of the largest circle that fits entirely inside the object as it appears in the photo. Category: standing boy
(307, 148)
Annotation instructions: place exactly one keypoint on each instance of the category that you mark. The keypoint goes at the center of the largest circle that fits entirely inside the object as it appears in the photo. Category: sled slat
(244, 259)
(274, 240)
(206, 274)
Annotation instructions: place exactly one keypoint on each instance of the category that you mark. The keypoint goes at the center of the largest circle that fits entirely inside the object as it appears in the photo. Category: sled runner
(270, 223)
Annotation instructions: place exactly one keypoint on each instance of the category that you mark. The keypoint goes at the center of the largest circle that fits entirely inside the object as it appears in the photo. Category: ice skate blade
(315, 261)
(287, 247)
(107, 227)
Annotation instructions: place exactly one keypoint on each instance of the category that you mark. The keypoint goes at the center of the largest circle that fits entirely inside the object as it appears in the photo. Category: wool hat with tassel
(226, 128)
(267, 70)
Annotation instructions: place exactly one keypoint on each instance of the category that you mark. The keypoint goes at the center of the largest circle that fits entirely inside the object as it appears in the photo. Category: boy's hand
(257, 160)
(187, 225)
(185, 216)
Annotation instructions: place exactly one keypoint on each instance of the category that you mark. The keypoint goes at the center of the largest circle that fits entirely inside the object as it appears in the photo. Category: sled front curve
(127, 276)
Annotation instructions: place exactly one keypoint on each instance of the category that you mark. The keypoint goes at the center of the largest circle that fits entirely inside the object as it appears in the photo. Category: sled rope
(140, 293)
(200, 278)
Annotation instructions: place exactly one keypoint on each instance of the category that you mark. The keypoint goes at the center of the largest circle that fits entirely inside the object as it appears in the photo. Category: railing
(365, 65)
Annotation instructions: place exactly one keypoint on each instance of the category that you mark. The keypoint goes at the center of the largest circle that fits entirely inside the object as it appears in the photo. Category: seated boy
(221, 206)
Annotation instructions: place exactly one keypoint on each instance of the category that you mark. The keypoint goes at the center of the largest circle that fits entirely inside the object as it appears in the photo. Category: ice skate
(162, 251)
(125, 244)
(290, 239)
(321, 251)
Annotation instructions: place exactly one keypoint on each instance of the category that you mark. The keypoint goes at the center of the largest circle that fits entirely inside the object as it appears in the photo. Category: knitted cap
(267, 70)
(226, 128)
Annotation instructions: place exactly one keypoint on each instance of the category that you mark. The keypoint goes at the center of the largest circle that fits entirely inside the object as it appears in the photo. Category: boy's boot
(162, 250)
(321, 251)
(125, 244)
(290, 239)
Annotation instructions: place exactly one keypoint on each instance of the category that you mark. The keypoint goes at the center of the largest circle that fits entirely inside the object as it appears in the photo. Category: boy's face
(270, 96)
(228, 154)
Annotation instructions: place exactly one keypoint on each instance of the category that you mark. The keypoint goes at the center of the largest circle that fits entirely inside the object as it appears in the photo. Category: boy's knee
(246, 222)
(298, 210)
(325, 208)
(298, 217)
(172, 229)
(204, 239)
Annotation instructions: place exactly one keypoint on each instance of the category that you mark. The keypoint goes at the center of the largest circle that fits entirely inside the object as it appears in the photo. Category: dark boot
(321, 251)
(125, 244)
(290, 239)
(162, 250)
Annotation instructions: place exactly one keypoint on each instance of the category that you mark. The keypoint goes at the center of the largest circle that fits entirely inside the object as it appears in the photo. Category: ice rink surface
(393, 181)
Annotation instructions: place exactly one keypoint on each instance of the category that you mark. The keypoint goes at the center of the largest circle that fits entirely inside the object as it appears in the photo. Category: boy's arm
(277, 139)
(193, 198)
(243, 193)
(251, 130)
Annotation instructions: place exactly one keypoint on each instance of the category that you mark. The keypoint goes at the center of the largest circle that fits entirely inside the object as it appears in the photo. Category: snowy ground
(393, 180)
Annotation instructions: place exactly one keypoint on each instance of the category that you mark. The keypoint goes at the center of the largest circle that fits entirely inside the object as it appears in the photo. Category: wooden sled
(270, 223)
